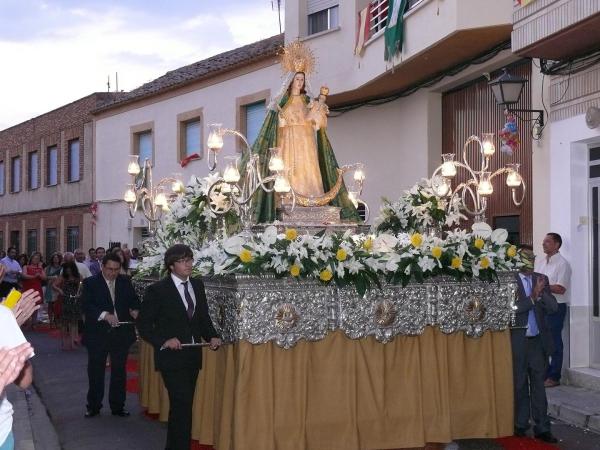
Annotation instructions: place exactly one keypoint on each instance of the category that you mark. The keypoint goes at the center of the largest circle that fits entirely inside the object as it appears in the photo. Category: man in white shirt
(82, 267)
(558, 271)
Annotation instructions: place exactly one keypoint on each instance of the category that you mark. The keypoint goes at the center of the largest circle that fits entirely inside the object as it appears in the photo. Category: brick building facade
(47, 179)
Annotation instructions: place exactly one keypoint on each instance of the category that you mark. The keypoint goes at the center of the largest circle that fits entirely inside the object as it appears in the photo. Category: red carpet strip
(516, 443)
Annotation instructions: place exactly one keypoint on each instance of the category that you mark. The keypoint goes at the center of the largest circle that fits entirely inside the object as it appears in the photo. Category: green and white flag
(394, 29)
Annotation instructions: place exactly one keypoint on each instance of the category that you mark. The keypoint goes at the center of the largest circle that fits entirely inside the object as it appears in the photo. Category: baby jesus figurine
(318, 110)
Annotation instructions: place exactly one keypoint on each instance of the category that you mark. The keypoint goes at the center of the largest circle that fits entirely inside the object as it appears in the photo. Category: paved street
(61, 382)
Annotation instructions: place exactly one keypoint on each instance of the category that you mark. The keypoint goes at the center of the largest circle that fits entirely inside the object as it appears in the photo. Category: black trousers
(181, 385)
(117, 347)
(529, 370)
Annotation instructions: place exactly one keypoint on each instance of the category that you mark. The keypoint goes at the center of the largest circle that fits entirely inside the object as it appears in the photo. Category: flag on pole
(394, 30)
(363, 33)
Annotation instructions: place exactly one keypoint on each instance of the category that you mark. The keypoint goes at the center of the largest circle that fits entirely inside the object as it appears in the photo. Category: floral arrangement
(418, 210)
(360, 260)
(189, 221)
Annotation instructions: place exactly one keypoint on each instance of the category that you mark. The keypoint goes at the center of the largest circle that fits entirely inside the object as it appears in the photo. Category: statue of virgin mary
(296, 122)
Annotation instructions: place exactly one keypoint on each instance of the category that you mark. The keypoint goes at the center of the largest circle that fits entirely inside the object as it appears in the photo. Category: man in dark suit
(174, 314)
(531, 344)
(110, 305)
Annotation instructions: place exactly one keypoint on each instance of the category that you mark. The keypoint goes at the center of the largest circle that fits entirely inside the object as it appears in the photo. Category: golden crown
(297, 57)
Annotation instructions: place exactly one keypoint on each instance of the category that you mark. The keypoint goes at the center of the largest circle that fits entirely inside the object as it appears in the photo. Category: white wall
(392, 140)
(113, 134)
(567, 190)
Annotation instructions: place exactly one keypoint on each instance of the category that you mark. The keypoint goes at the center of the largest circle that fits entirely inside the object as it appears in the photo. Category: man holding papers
(174, 314)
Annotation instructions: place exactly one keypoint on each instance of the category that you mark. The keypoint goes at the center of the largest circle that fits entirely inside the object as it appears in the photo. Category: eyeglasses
(185, 261)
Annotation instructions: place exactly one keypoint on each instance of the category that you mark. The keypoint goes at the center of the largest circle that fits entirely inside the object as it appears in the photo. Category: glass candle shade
(177, 185)
(129, 196)
(448, 166)
(231, 174)
(513, 179)
(160, 199)
(281, 184)
(133, 168)
(215, 137)
(440, 185)
(487, 144)
(276, 160)
(485, 188)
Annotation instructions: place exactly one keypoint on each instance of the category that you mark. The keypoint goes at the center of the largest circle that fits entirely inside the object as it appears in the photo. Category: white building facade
(564, 36)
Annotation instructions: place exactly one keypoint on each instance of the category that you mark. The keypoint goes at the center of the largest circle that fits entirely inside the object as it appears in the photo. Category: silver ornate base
(309, 215)
(260, 309)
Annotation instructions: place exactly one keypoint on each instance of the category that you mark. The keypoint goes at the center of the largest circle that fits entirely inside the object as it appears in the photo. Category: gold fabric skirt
(346, 394)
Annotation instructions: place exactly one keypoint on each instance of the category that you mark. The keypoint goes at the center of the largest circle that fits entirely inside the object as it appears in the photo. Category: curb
(32, 427)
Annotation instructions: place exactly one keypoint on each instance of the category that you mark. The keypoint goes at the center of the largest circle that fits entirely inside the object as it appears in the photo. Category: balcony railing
(378, 12)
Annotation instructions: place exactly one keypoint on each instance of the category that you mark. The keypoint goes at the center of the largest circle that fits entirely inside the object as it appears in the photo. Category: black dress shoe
(121, 413)
(91, 413)
(547, 437)
(520, 432)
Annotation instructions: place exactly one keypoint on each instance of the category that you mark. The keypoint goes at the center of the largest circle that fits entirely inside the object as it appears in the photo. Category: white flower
(499, 236)
(354, 266)
(340, 270)
(375, 264)
(482, 230)
(426, 263)
(234, 244)
(384, 243)
(392, 262)
(269, 236)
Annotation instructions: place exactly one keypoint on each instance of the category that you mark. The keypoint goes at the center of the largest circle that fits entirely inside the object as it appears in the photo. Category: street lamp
(507, 90)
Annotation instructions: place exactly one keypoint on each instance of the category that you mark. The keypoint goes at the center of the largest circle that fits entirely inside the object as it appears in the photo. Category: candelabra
(475, 191)
(142, 194)
(234, 190)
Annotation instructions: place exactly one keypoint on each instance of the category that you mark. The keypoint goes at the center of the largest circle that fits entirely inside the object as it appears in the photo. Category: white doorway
(594, 222)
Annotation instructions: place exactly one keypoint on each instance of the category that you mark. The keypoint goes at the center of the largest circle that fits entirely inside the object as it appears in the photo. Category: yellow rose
(246, 256)
(416, 240)
(436, 252)
(479, 243)
(512, 251)
(291, 234)
(295, 270)
(326, 275)
(341, 255)
(456, 262)
(368, 244)
(485, 262)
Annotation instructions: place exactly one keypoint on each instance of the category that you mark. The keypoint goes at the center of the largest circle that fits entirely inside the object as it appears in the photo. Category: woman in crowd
(52, 273)
(68, 288)
(124, 261)
(32, 278)
(22, 259)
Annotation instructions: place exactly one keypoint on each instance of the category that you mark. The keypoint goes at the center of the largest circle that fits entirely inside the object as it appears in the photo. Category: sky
(53, 52)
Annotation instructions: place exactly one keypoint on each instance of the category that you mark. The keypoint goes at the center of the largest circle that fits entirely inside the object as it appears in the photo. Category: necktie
(111, 288)
(532, 327)
(188, 299)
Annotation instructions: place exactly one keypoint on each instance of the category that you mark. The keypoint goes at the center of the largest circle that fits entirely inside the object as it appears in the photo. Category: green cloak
(264, 203)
